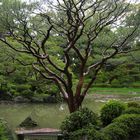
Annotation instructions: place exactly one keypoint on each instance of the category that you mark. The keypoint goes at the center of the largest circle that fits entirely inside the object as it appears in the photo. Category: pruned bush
(132, 121)
(87, 133)
(133, 104)
(78, 120)
(111, 110)
(132, 110)
(5, 133)
(116, 131)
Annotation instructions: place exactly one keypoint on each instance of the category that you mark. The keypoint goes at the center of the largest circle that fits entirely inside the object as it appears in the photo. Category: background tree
(61, 34)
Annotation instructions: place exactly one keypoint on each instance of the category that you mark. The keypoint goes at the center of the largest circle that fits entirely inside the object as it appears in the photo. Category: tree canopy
(69, 40)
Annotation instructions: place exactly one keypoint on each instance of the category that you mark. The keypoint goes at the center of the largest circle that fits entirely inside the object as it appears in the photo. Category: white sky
(133, 1)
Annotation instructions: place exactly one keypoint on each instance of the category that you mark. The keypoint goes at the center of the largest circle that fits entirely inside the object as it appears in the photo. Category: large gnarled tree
(61, 33)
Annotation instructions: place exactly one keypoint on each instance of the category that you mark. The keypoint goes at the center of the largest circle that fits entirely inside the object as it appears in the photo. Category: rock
(36, 100)
(5, 95)
(50, 99)
(28, 122)
(20, 99)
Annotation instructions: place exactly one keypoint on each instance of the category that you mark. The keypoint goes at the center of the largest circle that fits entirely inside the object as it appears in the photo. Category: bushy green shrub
(27, 93)
(115, 83)
(132, 110)
(87, 133)
(116, 131)
(2, 133)
(111, 110)
(132, 121)
(5, 133)
(22, 87)
(78, 120)
(133, 104)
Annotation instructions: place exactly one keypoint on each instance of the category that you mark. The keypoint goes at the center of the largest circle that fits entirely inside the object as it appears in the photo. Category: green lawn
(118, 91)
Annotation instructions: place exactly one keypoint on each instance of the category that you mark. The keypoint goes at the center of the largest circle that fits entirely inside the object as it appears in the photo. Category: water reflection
(46, 115)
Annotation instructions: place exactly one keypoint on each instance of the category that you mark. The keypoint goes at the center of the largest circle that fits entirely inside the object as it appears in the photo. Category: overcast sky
(133, 1)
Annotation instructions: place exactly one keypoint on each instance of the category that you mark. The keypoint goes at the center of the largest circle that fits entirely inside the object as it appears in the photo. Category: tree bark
(75, 103)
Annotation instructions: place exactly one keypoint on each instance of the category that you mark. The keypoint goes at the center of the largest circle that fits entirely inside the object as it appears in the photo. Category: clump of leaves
(5, 133)
(110, 111)
(133, 104)
(132, 121)
(78, 120)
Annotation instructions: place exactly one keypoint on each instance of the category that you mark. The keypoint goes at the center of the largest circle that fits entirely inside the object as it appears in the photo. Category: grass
(116, 91)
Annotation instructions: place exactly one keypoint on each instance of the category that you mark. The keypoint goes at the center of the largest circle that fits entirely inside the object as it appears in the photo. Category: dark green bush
(132, 110)
(5, 133)
(111, 110)
(116, 131)
(78, 120)
(22, 87)
(87, 133)
(133, 104)
(27, 93)
(5, 95)
(132, 121)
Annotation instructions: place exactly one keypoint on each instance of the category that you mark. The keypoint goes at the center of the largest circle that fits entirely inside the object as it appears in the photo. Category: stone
(50, 99)
(28, 122)
(20, 99)
(5, 95)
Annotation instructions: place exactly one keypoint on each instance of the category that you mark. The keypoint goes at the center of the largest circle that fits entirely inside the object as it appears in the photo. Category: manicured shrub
(87, 133)
(132, 110)
(116, 131)
(132, 121)
(133, 104)
(111, 110)
(78, 120)
(5, 133)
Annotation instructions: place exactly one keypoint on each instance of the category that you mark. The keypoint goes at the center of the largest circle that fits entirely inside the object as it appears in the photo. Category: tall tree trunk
(74, 103)
(72, 106)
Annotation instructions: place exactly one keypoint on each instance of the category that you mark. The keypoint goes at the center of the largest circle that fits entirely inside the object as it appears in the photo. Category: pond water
(46, 115)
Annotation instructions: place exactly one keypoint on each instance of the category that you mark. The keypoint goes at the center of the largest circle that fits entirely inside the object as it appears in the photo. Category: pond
(46, 115)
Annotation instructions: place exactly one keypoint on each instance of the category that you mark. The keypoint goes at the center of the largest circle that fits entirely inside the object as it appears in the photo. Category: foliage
(116, 131)
(133, 104)
(5, 133)
(125, 123)
(111, 110)
(78, 120)
(120, 72)
(89, 133)
(132, 110)
(70, 41)
(132, 121)
(19, 79)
